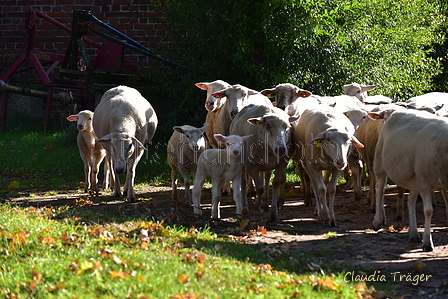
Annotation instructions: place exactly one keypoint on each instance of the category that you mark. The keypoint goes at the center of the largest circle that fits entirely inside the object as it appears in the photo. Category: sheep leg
(331, 195)
(187, 182)
(96, 165)
(320, 190)
(106, 180)
(445, 199)
(264, 197)
(174, 194)
(216, 198)
(245, 178)
(355, 178)
(237, 196)
(130, 176)
(278, 185)
(197, 191)
(253, 172)
(413, 232)
(399, 215)
(281, 190)
(87, 175)
(306, 184)
(380, 214)
(427, 196)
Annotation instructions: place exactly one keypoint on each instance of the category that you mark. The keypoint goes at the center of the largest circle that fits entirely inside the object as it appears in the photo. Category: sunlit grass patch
(42, 257)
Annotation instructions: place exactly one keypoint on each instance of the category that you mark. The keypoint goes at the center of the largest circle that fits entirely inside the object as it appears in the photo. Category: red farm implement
(72, 77)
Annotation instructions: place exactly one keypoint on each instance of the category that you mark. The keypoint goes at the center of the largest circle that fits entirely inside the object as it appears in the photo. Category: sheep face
(286, 94)
(84, 120)
(334, 147)
(193, 136)
(276, 133)
(358, 90)
(212, 103)
(121, 148)
(234, 143)
(237, 96)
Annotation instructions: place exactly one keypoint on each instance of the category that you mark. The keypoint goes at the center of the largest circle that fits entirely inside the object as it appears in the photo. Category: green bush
(319, 45)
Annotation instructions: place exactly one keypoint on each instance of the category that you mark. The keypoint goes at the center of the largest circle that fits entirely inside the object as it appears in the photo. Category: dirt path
(351, 246)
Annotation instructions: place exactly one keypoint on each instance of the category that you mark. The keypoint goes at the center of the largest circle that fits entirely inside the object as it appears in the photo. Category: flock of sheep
(250, 137)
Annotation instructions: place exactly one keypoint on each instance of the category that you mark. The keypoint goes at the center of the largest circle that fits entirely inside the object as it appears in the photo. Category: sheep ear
(305, 93)
(256, 121)
(178, 129)
(317, 139)
(367, 88)
(219, 95)
(293, 118)
(203, 86)
(139, 144)
(252, 92)
(375, 115)
(270, 93)
(73, 118)
(204, 128)
(105, 138)
(356, 142)
(247, 137)
(220, 138)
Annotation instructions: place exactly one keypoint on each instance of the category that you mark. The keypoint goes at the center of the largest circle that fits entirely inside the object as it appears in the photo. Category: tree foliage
(319, 45)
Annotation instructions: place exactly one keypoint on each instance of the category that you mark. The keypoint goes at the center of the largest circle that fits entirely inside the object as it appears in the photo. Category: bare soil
(352, 245)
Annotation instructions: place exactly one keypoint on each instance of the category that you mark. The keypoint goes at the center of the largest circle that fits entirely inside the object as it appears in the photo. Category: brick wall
(134, 18)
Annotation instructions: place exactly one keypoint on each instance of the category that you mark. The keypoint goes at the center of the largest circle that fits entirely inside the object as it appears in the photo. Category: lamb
(184, 147)
(222, 165)
(322, 139)
(124, 121)
(92, 153)
(269, 149)
(360, 91)
(213, 106)
(411, 150)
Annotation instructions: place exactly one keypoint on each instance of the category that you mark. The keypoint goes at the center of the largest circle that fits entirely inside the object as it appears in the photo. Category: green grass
(63, 252)
(31, 162)
(42, 257)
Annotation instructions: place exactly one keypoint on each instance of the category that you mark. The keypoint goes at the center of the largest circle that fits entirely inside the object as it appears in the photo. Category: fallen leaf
(184, 296)
(36, 276)
(13, 185)
(118, 274)
(327, 283)
(183, 278)
(419, 266)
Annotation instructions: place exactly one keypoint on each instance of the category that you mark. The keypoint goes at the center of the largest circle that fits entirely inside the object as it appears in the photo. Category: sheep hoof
(416, 238)
(308, 202)
(280, 203)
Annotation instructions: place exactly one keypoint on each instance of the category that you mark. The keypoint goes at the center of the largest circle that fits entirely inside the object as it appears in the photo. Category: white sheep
(238, 97)
(92, 153)
(411, 150)
(184, 147)
(269, 149)
(213, 106)
(322, 139)
(368, 133)
(360, 91)
(434, 102)
(222, 165)
(290, 98)
(124, 121)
